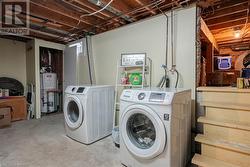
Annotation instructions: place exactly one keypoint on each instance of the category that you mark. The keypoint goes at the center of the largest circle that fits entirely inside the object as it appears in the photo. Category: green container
(135, 78)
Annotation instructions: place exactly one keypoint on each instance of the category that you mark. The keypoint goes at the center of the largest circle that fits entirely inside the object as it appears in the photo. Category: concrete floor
(43, 143)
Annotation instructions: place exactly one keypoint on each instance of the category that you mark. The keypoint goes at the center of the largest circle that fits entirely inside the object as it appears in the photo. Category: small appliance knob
(141, 96)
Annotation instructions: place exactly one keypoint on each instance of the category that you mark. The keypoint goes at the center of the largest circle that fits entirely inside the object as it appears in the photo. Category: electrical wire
(98, 11)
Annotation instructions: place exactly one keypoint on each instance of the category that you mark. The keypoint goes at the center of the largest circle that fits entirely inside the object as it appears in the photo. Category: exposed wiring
(98, 11)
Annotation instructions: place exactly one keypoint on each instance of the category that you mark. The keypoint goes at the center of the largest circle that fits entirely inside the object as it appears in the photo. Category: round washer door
(73, 112)
(143, 132)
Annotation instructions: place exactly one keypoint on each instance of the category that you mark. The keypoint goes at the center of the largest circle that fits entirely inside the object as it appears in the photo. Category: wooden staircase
(225, 141)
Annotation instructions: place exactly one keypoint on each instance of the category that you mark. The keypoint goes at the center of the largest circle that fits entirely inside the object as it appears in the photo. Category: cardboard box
(5, 117)
(6, 92)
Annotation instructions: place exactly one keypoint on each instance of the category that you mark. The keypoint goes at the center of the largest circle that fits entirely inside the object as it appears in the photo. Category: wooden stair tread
(205, 161)
(217, 142)
(225, 105)
(226, 89)
(227, 123)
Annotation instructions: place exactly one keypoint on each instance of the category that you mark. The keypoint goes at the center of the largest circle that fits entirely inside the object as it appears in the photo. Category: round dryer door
(143, 132)
(73, 112)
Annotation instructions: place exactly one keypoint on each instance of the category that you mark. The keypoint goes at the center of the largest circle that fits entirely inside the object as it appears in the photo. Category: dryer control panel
(76, 90)
(80, 90)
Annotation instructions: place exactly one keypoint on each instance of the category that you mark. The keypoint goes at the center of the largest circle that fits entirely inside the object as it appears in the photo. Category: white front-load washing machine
(88, 112)
(155, 127)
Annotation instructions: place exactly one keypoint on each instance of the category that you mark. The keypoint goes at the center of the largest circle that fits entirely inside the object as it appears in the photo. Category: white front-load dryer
(88, 112)
(155, 127)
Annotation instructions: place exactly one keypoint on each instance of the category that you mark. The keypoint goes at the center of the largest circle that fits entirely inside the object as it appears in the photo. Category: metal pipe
(88, 57)
(166, 61)
(172, 38)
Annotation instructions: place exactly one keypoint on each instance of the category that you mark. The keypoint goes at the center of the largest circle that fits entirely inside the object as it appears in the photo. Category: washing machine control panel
(157, 97)
(144, 96)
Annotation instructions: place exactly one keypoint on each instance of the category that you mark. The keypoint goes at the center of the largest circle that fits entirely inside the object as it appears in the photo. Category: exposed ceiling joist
(44, 13)
(238, 8)
(66, 20)
(88, 7)
(227, 17)
(142, 3)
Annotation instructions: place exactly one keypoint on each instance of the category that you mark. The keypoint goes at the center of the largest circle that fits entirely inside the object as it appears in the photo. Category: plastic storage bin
(224, 63)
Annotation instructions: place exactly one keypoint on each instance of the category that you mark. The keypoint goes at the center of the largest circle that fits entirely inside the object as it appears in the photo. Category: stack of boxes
(5, 116)
(4, 92)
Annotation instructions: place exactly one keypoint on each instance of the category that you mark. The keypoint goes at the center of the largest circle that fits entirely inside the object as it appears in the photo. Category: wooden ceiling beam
(228, 18)
(42, 12)
(120, 6)
(228, 4)
(230, 36)
(61, 9)
(238, 41)
(83, 4)
(166, 6)
(89, 8)
(228, 11)
(64, 12)
(34, 34)
(142, 3)
(234, 43)
(221, 30)
(229, 24)
(45, 23)
(39, 29)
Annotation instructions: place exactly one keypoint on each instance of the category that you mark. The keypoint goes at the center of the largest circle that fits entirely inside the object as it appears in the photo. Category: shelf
(129, 85)
(205, 161)
(228, 124)
(225, 105)
(133, 71)
(225, 144)
(226, 89)
(140, 66)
